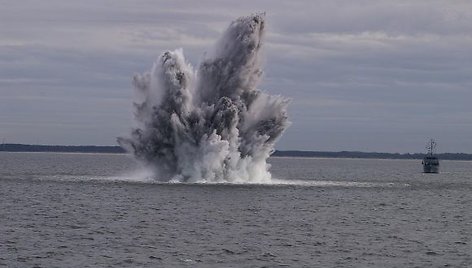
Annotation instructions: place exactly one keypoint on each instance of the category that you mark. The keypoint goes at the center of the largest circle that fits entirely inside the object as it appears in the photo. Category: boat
(430, 160)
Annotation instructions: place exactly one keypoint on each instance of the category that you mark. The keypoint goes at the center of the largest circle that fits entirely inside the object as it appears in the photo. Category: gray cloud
(363, 75)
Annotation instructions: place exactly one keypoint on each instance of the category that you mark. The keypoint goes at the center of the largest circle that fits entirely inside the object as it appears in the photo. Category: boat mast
(431, 147)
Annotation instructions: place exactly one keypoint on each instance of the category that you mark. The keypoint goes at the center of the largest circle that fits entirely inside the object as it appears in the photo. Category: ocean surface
(96, 210)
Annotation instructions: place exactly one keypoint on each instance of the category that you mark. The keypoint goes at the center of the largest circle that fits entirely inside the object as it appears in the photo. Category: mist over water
(211, 124)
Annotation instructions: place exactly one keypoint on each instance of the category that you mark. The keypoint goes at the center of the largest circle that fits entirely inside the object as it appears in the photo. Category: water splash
(210, 124)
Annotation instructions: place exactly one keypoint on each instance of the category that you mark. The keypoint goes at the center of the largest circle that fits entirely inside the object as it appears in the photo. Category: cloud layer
(363, 75)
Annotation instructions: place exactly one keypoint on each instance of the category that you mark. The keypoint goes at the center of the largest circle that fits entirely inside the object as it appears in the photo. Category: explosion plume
(212, 124)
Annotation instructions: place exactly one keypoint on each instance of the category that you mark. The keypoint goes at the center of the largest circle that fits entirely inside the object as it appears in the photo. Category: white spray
(213, 124)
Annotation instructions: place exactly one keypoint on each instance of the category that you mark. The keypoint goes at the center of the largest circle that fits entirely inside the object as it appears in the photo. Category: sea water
(99, 210)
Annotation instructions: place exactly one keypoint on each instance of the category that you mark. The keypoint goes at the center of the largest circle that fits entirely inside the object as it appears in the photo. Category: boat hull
(431, 164)
(430, 169)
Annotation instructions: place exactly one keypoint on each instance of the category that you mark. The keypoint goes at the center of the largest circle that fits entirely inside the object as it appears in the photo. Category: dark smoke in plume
(212, 124)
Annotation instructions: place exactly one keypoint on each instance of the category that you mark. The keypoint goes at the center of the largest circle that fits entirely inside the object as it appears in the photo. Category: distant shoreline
(117, 149)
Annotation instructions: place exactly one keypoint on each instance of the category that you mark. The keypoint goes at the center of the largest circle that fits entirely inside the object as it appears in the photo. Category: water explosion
(212, 124)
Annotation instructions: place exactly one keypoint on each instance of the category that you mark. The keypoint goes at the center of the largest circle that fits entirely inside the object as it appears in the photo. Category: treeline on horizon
(117, 149)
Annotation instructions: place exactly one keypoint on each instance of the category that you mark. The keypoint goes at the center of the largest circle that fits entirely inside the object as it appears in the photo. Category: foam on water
(145, 177)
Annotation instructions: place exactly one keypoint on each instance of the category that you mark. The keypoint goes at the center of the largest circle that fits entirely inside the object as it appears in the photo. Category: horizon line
(277, 150)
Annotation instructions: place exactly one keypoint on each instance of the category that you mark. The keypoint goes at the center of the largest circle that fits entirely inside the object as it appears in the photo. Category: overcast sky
(362, 75)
